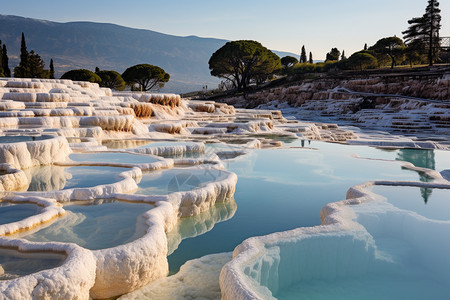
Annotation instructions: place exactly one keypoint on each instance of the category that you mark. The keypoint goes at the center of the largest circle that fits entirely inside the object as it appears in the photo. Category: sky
(284, 25)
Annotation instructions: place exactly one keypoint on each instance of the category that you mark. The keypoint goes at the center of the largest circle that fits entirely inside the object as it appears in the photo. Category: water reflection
(14, 264)
(420, 158)
(96, 225)
(195, 226)
(10, 213)
(54, 178)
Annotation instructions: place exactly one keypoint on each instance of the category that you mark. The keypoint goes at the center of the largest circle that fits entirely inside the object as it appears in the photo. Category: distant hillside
(112, 47)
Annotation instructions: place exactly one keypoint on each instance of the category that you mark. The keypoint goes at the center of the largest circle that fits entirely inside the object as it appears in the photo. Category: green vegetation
(145, 76)
(82, 75)
(333, 55)
(288, 62)
(391, 46)
(5, 62)
(111, 79)
(361, 61)
(31, 64)
(244, 63)
(423, 33)
(52, 70)
(303, 55)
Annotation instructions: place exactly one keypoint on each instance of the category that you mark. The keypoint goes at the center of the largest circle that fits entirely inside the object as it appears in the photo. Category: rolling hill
(112, 47)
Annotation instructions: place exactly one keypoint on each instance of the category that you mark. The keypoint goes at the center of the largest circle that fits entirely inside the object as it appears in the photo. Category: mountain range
(87, 45)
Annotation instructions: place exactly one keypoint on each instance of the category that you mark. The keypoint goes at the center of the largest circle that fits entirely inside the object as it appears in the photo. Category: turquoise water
(114, 157)
(23, 138)
(15, 212)
(96, 225)
(54, 178)
(16, 264)
(282, 189)
(176, 180)
(370, 287)
(430, 203)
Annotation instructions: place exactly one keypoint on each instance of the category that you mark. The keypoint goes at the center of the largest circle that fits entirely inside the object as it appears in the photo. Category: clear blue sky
(283, 25)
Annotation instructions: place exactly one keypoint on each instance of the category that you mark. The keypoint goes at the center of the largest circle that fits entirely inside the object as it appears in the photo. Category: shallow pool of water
(112, 157)
(23, 138)
(282, 189)
(15, 212)
(430, 203)
(370, 287)
(14, 264)
(54, 178)
(96, 225)
(176, 180)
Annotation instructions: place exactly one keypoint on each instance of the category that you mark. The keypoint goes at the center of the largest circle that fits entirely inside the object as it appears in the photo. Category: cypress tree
(311, 61)
(23, 69)
(1, 61)
(365, 46)
(343, 57)
(52, 70)
(5, 62)
(303, 58)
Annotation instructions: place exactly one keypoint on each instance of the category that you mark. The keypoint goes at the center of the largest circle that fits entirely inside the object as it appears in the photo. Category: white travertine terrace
(77, 117)
(343, 246)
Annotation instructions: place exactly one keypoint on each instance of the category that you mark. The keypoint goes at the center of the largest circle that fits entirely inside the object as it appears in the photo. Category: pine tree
(303, 58)
(423, 32)
(36, 66)
(5, 62)
(52, 70)
(311, 61)
(23, 69)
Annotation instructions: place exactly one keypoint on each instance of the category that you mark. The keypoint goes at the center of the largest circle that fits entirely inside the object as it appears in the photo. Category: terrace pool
(54, 178)
(14, 264)
(10, 212)
(96, 225)
(112, 157)
(427, 202)
(176, 180)
(282, 189)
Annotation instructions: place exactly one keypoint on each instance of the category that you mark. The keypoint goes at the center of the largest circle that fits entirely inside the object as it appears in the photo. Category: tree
(243, 62)
(112, 80)
(365, 46)
(425, 30)
(391, 46)
(343, 57)
(2, 74)
(333, 55)
(311, 61)
(5, 62)
(97, 70)
(52, 70)
(36, 66)
(288, 62)
(361, 61)
(23, 69)
(82, 75)
(145, 76)
(303, 55)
